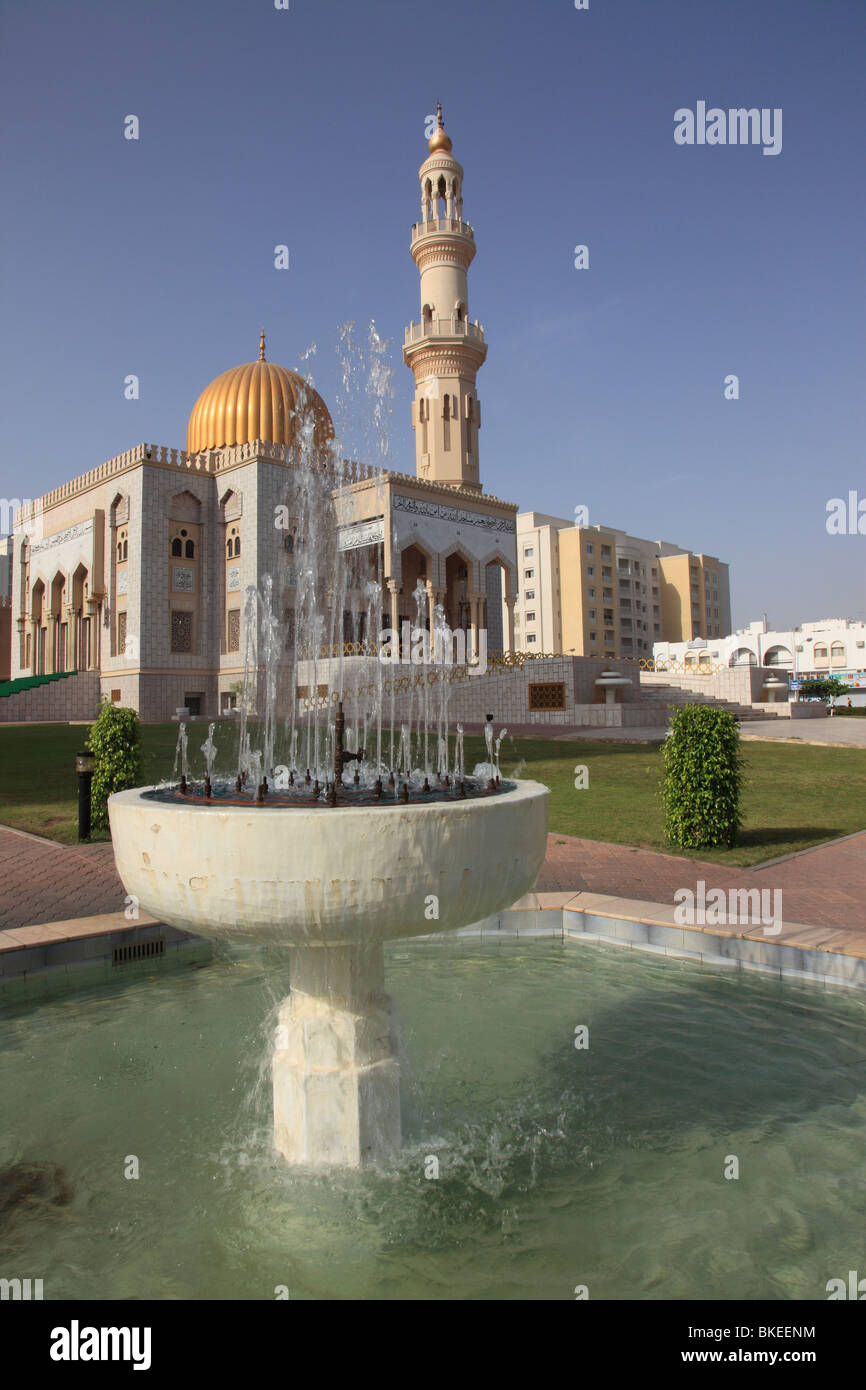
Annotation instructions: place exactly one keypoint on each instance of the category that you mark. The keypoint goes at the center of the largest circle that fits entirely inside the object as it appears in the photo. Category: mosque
(133, 575)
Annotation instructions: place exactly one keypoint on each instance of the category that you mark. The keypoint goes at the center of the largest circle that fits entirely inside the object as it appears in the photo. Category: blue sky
(602, 387)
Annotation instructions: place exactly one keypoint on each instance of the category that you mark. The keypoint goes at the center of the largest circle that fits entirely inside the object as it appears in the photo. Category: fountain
(327, 861)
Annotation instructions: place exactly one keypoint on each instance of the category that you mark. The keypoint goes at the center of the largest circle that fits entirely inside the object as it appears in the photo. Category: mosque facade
(133, 575)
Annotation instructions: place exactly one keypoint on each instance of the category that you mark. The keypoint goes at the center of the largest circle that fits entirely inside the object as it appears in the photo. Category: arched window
(229, 548)
(190, 550)
(237, 545)
(120, 550)
(837, 654)
(177, 546)
(125, 549)
(289, 544)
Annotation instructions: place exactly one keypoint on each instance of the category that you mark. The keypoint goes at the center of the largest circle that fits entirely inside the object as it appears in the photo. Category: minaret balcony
(442, 224)
(452, 327)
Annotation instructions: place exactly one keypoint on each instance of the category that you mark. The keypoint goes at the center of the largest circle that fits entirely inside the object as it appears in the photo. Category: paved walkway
(45, 882)
(842, 732)
(826, 886)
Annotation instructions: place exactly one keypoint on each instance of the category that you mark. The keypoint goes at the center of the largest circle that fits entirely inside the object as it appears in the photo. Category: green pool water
(558, 1167)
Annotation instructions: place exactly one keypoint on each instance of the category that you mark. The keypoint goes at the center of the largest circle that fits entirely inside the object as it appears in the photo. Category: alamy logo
(856, 1288)
(414, 646)
(20, 1290)
(846, 519)
(75, 1343)
(731, 907)
(737, 126)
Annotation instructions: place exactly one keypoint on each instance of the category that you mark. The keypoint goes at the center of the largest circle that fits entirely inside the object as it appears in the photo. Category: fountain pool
(556, 1167)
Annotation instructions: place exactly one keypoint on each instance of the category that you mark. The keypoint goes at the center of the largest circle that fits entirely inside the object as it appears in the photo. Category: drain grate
(139, 950)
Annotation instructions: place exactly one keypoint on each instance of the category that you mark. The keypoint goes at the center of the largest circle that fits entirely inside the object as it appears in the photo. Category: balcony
(452, 327)
(442, 224)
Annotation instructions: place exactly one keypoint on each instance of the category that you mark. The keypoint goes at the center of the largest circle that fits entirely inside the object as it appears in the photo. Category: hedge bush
(115, 739)
(703, 778)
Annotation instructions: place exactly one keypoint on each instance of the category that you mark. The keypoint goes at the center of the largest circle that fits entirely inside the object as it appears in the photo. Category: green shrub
(115, 739)
(702, 778)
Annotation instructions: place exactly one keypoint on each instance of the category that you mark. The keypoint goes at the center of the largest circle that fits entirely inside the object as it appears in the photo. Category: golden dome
(259, 400)
(439, 141)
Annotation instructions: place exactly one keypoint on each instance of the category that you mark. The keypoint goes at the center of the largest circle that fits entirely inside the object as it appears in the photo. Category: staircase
(662, 694)
(22, 683)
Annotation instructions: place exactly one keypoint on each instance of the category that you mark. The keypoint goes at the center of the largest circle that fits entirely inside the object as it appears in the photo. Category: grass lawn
(795, 796)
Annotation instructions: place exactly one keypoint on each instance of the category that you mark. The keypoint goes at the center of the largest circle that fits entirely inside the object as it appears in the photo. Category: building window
(530, 593)
(528, 550)
(590, 571)
(591, 593)
(177, 546)
(190, 550)
(592, 637)
(181, 631)
(529, 574)
(530, 636)
(530, 617)
(589, 550)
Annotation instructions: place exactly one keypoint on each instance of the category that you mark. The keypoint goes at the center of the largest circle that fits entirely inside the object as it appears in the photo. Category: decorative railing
(681, 668)
(437, 328)
(502, 661)
(442, 224)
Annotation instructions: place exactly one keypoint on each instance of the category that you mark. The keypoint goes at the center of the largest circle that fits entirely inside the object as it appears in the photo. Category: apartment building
(596, 591)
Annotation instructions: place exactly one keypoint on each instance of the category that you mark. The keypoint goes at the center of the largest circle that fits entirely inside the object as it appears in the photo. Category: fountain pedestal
(331, 884)
(335, 1073)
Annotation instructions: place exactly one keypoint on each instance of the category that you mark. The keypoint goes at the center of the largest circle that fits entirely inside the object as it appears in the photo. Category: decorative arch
(742, 656)
(185, 506)
(778, 655)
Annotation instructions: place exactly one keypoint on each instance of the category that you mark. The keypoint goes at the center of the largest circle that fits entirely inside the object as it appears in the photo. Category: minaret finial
(262, 347)
(439, 140)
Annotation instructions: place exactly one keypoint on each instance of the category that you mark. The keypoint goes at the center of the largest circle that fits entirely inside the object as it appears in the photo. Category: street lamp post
(84, 765)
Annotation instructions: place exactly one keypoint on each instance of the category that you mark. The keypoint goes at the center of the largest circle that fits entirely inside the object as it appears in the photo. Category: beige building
(596, 591)
(134, 575)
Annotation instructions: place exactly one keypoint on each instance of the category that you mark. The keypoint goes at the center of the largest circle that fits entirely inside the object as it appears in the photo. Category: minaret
(445, 349)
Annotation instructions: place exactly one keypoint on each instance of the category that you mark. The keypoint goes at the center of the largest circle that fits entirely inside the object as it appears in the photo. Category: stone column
(72, 638)
(335, 1074)
(51, 645)
(95, 653)
(473, 619)
(394, 591)
(509, 623)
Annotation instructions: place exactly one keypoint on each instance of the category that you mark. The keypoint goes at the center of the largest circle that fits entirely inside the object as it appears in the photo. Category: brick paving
(44, 882)
(826, 887)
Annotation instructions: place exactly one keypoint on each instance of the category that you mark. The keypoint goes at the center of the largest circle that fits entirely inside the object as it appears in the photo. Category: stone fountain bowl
(330, 876)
